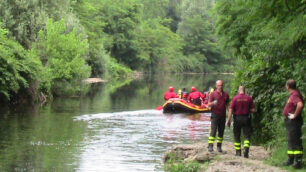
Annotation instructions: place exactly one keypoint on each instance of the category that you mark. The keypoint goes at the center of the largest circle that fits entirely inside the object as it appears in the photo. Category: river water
(113, 128)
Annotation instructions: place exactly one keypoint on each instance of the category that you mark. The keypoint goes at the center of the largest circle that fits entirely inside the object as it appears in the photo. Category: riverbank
(215, 161)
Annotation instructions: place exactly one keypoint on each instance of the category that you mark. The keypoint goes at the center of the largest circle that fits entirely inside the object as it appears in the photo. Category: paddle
(159, 108)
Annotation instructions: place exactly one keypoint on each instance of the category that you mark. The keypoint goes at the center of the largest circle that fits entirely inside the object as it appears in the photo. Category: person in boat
(184, 94)
(170, 94)
(179, 93)
(196, 97)
(242, 106)
(207, 94)
(218, 101)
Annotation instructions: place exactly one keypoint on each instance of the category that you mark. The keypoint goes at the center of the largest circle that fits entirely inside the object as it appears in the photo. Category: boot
(289, 160)
(298, 162)
(219, 145)
(210, 147)
(238, 152)
(246, 152)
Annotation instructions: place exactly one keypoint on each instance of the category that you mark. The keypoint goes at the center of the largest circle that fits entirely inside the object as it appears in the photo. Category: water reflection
(107, 130)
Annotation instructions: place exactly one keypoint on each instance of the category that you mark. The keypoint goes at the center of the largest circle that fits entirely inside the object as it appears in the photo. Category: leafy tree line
(70, 40)
(268, 40)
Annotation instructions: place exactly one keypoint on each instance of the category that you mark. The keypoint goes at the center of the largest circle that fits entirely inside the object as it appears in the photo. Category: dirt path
(226, 161)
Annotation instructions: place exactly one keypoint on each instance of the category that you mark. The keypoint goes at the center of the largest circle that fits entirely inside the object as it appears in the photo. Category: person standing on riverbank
(218, 101)
(242, 106)
(294, 121)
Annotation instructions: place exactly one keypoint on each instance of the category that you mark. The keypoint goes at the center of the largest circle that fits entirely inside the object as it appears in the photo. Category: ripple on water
(136, 140)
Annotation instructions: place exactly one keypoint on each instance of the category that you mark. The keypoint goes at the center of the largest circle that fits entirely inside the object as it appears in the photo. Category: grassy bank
(177, 164)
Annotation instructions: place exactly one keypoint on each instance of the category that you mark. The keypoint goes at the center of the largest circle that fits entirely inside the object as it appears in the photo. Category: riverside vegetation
(48, 47)
(267, 39)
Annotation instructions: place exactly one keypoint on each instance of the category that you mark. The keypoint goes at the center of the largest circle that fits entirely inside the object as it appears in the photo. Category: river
(113, 128)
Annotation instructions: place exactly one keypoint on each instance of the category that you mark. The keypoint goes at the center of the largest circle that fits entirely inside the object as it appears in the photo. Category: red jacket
(169, 95)
(196, 95)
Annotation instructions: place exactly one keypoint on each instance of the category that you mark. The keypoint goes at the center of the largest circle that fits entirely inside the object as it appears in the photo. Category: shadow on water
(114, 127)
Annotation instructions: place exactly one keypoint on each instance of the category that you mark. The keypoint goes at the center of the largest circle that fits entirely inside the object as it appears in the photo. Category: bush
(173, 164)
(18, 69)
(63, 55)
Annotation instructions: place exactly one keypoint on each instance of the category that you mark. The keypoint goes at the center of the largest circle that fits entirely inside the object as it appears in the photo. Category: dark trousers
(242, 122)
(294, 135)
(217, 124)
(196, 101)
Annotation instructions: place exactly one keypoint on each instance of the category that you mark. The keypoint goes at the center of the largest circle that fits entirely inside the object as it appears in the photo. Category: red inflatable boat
(177, 105)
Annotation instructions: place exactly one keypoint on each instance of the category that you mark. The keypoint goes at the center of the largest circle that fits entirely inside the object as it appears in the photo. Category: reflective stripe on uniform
(246, 143)
(290, 152)
(211, 139)
(237, 145)
(298, 152)
(219, 139)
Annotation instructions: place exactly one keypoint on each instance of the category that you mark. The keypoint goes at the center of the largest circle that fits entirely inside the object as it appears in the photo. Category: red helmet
(171, 89)
(193, 89)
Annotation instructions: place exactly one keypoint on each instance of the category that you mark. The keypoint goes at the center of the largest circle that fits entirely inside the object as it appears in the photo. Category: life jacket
(180, 93)
(196, 98)
(169, 95)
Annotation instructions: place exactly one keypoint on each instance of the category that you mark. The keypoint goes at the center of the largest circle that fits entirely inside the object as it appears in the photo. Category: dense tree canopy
(111, 38)
(18, 68)
(63, 54)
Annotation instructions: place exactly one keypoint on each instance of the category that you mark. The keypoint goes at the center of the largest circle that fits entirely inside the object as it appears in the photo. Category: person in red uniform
(242, 106)
(170, 94)
(293, 122)
(218, 101)
(184, 94)
(195, 97)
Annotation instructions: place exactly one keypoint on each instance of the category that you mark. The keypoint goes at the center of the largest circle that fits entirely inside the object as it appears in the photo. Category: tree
(197, 28)
(24, 18)
(63, 54)
(18, 70)
(159, 47)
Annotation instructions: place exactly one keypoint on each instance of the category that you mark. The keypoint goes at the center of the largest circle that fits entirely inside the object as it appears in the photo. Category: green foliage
(24, 18)
(175, 165)
(154, 8)
(174, 12)
(121, 19)
(197, 28)
(88, 13)
(63, 55)
(279, 154)
(113, 37)
(133, 34)
(18, 69)
(158, 47)
(268, 38)
(116, 70)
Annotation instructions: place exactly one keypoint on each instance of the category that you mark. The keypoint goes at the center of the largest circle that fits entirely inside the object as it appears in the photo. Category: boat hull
(176, 105)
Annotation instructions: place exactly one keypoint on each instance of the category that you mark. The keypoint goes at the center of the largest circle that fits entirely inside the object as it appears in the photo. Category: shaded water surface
(112, 128)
